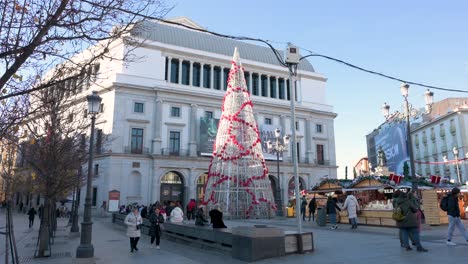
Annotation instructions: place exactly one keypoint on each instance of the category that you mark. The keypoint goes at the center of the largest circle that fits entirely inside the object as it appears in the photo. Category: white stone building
(150, 140)
(434, 142)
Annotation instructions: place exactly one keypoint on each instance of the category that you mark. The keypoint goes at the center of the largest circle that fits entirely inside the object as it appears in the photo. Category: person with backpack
(449, 203)
(409, 223)
(331, 211)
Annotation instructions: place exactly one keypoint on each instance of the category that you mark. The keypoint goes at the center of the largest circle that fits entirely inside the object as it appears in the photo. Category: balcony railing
(174, 152)
(131, 150)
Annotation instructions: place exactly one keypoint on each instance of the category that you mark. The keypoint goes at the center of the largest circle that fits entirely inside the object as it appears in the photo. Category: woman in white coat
(177, 215)
(351, 204)
(133, 222)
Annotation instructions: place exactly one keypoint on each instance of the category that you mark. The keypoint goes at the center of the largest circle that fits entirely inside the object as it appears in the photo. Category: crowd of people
(159, 213)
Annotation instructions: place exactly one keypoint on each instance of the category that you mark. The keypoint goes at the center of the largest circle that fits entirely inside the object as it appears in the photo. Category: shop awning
(370, 188)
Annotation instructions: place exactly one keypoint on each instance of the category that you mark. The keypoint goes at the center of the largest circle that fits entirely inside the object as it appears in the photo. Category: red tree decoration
(238, 177)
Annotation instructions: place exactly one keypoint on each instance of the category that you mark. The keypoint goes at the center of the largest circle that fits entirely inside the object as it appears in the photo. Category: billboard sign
(208, 131)
(392, 140)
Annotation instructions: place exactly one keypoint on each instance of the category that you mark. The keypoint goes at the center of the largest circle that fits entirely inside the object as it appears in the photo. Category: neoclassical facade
(160, 113)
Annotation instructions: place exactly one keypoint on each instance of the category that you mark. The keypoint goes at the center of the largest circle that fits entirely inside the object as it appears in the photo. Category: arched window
(172, 187)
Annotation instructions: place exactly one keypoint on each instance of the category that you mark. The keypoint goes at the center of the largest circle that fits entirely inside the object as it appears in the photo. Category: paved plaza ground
(364, 245)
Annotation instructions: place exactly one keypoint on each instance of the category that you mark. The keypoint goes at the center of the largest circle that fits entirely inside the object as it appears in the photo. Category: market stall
(375, 199)
(431, 203)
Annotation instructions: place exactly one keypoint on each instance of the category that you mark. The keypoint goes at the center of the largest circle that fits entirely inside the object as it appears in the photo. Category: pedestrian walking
(450, 204)
(331, 211)
(144, 212)
(134, 222)
(409, 225)
(156, 219)
(217, 217)
(177, 215)
(312, 208)
(303, 207)
(351, 204)
(191, 209)
(32, 214)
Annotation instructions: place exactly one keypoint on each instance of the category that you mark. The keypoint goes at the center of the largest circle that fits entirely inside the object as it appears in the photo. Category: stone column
(212, 76)
(169, 60)
(202, 66)
(179, 81)
(193, 131)
(250, 82)
(191, 74)
(157, 126)
(308, 141)
(285, 189)
(268, 86)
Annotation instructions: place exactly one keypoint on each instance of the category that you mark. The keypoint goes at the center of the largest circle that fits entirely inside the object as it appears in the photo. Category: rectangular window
(186, 72)
(247, 80)
(174, 142)
(165, 68)
(102, 108)
(268, 121)
(318, 128)
(174, 71)
(99, 141)
(281, 88)
(320, 159)
(288, 90)
(298, 144)
(138, 107)
(207, 76)
(96, 170)
(196, 74)
(264, 85)
(137, 141)
(226, 77)
(175, 111)
(217, 78)
(272, 87)
(83, 142)
(297, 125)
(255, 84)
(94, 201)
(208, 114)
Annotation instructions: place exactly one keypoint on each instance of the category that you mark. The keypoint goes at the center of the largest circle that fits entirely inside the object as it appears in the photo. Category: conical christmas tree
(238, 177)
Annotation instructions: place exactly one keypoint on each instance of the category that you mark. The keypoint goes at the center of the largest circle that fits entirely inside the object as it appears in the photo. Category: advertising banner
(392, 140)
(208, 131)
(267, 132)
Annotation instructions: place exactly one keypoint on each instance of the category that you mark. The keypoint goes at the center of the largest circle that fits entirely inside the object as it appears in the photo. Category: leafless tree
(40, 41)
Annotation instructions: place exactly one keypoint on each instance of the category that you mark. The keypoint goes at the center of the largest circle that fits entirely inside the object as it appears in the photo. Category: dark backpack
(444, 203)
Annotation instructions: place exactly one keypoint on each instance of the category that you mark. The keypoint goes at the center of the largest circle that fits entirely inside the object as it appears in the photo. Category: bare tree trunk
(12, 238)
(7, 232)
(44, 234)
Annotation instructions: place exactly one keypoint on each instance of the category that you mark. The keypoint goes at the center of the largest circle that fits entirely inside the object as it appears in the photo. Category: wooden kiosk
(375, 199)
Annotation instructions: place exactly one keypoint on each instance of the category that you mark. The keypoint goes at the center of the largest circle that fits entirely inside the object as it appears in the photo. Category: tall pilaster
(157, 126)
(169, 66)
(193, 130)
(308, 141)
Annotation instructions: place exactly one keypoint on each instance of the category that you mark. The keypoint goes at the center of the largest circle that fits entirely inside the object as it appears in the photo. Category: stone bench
(246, 243)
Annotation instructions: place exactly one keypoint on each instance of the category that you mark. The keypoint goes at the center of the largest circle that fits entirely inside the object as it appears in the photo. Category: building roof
(178, 36)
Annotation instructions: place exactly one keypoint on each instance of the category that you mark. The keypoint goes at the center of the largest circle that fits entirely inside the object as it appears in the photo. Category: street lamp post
(278, 147)
(408, 112)
(86, 249)
(455, 154)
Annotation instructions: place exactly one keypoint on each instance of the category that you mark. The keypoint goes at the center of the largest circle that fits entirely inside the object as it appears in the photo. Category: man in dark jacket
(32, 214)
(409, 225)
(453, 213)
(331, 211)
(312, 208)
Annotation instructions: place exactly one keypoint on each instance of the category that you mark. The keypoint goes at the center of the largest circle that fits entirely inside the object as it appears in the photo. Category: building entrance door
(172, 187)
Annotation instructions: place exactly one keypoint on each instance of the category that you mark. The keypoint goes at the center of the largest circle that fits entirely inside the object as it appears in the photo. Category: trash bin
(321, 216)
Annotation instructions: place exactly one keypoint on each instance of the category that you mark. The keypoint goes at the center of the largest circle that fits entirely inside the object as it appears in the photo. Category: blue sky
(422, 41)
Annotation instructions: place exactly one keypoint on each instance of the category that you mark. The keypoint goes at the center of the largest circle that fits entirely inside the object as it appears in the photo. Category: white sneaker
(450, 243)
(157, 247)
